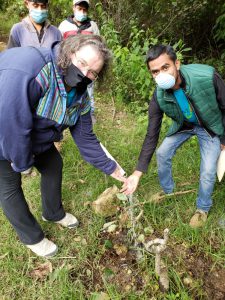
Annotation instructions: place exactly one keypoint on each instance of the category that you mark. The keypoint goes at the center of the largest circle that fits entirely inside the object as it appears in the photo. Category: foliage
(189, 20)
(220, 26)
(130, 80)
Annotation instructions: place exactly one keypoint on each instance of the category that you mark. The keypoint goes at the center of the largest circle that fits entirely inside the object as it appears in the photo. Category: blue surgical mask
(80, 17)
(39, 16)
(165, 81)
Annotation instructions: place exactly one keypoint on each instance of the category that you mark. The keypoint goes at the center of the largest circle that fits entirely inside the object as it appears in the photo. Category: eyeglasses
(82, 65)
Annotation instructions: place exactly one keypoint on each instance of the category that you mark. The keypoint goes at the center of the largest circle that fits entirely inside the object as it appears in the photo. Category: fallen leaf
(106, 225)
(121, 197)
(108, 244)
(141, 238)
(82, 181)
(124, 218)
(188, 281)
(87, 203)
(112, 228)
(100, 296)
(121, 250)
(84, 242)
(77, 239)
(108, 273)
(4, 255)
(128, 288)
(41, 271)
(88, 272)
(149, 230)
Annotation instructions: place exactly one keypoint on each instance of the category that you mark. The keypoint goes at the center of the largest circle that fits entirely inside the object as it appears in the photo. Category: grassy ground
(86, 265)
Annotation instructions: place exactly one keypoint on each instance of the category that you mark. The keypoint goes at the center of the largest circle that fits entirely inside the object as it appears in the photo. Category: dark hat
(76, 2)
(39, 1)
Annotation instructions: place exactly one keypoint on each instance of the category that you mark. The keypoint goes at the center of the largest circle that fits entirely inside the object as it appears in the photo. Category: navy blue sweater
(23, 133)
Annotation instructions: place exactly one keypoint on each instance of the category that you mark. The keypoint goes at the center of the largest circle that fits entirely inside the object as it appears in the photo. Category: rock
(107, 203)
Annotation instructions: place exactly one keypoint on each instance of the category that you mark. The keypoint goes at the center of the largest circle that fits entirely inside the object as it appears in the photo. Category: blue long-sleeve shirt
(24, 133)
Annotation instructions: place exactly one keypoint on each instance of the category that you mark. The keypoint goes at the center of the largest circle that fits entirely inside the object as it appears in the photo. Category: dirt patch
(198, 267)
(120, 268)
(215, 284)
(113, 267)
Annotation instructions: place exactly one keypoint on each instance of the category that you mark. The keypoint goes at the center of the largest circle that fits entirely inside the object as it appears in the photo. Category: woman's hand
(118, 174)
(131, 183)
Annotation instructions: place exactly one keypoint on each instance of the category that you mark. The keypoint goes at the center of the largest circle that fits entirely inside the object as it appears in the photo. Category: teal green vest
(200, 90)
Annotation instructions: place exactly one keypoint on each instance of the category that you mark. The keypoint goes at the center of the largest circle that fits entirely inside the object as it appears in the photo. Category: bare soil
(206, 280)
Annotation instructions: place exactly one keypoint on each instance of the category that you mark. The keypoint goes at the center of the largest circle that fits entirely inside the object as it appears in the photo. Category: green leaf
(108, 244)
(121, 197)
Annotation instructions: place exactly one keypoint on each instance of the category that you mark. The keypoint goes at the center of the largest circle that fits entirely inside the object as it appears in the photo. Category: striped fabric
(53, 105)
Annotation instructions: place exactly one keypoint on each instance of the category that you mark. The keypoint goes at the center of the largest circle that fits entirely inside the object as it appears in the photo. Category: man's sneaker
(27, 172)
(44, 248)
(198, 219)
(68, 221)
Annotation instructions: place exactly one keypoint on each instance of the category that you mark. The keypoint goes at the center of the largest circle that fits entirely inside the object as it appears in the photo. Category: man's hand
(131, 184)
(118, 174)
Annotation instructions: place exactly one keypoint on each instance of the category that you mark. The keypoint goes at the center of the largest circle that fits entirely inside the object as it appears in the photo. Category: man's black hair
(158, 50)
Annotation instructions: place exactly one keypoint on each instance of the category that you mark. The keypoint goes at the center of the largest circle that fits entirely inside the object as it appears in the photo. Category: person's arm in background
(13, 37)
(95, 28)
(219, 85)
(90, 148)
(148, 148)
(62, 27)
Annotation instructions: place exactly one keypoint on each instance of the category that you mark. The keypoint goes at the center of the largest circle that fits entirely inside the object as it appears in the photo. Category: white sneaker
(44, 248)
(68, 221)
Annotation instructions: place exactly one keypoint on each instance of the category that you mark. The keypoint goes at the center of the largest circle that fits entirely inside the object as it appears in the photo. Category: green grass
(77, 268)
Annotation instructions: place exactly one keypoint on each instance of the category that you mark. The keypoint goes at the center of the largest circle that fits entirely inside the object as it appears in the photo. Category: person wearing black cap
(34, 30)
(48, 94)
(80, 23)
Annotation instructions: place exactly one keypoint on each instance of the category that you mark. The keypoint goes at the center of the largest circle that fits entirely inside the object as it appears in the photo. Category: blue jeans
(209, 149)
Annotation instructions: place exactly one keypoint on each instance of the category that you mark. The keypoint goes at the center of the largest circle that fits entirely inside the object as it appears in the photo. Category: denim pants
(13, 202)
(209, 150)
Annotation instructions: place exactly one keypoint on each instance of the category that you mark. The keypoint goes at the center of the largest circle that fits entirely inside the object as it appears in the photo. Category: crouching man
(193, 96)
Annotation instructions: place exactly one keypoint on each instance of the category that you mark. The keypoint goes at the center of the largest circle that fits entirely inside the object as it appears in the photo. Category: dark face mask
(75, 78)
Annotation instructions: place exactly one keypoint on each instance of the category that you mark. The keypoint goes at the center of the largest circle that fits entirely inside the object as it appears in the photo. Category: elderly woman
(43, 92)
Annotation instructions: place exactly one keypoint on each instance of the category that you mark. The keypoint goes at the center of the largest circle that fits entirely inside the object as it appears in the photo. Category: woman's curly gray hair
(74, 43)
